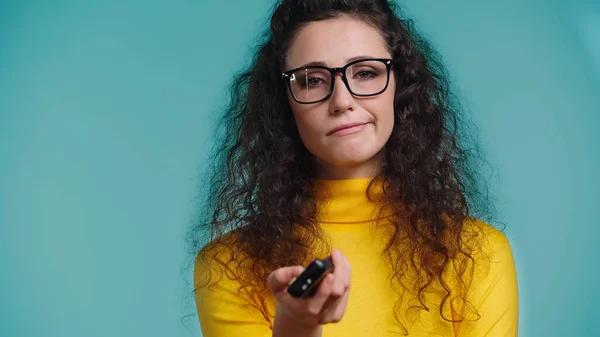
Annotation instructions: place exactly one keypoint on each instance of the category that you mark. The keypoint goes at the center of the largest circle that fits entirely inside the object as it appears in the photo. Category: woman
(341, 139)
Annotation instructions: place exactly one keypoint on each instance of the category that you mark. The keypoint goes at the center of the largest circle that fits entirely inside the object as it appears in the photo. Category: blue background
(106, 110)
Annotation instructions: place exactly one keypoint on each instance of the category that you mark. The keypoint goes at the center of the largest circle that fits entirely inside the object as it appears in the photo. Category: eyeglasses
(364, 77)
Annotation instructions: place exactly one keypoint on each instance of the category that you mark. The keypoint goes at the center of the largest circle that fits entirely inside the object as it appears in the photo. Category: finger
(335, 312)
(339, 260)
(280, 278)
(342, 272)
(315, 304)
(330, 305)
(341, 283)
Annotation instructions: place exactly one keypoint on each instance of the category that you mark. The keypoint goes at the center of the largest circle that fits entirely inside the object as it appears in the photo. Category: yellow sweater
(348, 217)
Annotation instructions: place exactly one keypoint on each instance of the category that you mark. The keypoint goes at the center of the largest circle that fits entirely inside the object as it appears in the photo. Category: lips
(346, 129)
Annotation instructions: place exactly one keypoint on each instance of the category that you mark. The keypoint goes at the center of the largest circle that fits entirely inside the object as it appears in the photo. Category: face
(345, 133)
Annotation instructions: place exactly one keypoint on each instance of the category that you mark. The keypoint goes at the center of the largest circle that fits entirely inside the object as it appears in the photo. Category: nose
(341, 99)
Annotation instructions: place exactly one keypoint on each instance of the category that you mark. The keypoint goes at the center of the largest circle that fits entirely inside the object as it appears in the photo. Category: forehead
(334, 41)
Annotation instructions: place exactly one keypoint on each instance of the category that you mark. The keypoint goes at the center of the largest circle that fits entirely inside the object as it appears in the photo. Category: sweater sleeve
(493, 291)
(222, 311)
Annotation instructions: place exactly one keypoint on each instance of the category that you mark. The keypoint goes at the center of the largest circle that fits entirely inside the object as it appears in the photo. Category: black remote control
(307, 283)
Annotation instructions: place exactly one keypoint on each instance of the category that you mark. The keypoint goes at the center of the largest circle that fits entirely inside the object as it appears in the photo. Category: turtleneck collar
(346, 200)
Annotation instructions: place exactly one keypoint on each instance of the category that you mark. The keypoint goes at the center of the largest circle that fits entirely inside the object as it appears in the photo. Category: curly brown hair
(261, 183)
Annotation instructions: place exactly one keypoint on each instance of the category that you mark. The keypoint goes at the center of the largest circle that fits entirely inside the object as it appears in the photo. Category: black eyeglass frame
(287, 76)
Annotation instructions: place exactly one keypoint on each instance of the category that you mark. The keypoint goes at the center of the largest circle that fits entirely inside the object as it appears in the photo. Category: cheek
(305, 128)
(385, 126)
(382, 111)
(388, 115)
(307, 124)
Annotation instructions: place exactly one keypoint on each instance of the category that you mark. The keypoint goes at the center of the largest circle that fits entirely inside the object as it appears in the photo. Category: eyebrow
(322, 64)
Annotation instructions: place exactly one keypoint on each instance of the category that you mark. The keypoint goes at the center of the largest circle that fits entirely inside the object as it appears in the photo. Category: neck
(367, 169)
(350, 200)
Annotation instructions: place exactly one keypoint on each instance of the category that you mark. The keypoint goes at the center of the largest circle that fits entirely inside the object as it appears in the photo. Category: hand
(328, 305)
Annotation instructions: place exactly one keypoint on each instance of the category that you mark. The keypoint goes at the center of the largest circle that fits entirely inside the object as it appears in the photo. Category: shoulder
(226, 300)
(482, 237)
(492, 287)
(217, 260)
(489, 249)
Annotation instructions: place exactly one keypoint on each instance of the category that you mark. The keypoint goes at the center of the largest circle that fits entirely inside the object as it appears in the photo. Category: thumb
(279, 279)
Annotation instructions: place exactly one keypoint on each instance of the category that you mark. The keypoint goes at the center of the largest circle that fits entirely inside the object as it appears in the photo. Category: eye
(314, 81)
(366, 74)
(310, 80)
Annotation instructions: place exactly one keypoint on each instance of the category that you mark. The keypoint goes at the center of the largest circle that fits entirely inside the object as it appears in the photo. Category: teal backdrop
(106, 109)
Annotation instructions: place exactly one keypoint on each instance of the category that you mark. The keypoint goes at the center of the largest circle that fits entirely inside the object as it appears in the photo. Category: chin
(351, 161)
